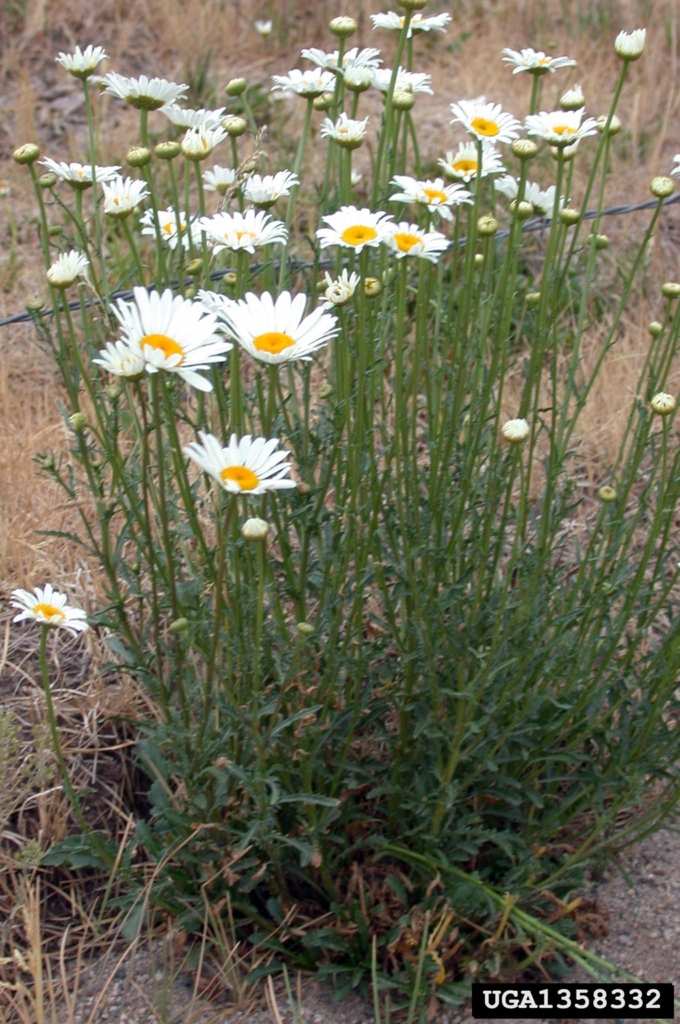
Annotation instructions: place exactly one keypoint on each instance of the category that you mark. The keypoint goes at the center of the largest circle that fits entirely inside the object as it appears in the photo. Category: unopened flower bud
(230, 279)
(403, 99)
(487, 226)
(325, 391)
(572, 99)
(48, 180)
(614, 127)
(167, 150)
(629, 45)
(47, 463)
(303, 487)
(655, 328)
(523, 209)
(305, 628)
(113, 392)
(372, 287)
(54, 230)
(234, 125)
(236, 87)
(532, 298)
(663, 404)
(343, 26)
(26, 154)
(569, 216)
(138, 156)
(607, 494)
(35, 304)
(524, 149)
(515, 431)
(194, 268)
(78, 422)
(179, 625)
(323, 102)
(255, 529)
(479, 259)
(662, 187)
(413, 5)
(671, 289)
(600, 241)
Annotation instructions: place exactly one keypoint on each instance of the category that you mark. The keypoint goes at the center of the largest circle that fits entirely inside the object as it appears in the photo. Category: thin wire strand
(535, 224)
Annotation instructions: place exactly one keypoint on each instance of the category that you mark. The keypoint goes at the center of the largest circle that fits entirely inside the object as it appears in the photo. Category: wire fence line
(535, 224)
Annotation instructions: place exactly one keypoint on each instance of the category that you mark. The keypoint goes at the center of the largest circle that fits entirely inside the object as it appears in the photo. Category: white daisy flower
(167, 220)
(409, 240)
(81, 63)
(249, 466)
(485, 120)
(305, 83)
(344, 131)
(79, 175)
(264, 28)
(542, 200)
(409, 81)
(354, 58)
(419, 23)
(676, 170)
(560, 127)
(219, 179)
(171, 333)
(264, 191)
(507, 186)
(198, 143)
(629, 45)
(340, 291)
(144, 93)
(184, 117)
(464, 165)
(67, 268)
(48, 607)
(535, 61)
(121, 360)
(354, 229)
(435, 195)
(243, 230)
(277, 332)
(122, 195)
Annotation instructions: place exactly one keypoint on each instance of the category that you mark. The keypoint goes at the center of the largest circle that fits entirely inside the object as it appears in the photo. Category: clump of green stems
(424, 662)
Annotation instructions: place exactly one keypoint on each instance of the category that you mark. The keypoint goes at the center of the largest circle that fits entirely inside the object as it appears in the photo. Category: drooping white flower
(48, 607)
(485, 120)
(435, 196)
(172, 334)
(264, 191)
(535, 61)
(629, 45)
(264, 28)
(408, 81)
(144, 93)
(67, 268)
(81, 63)
(243, 230)
(79, 175)
(542, 200)
(167, 222)
(305, 83)
(122, 195)
(560, 127)
(198, 143)
(340, 291)
(354, 229)
(464, 165)
(185, 117)
(345, 131)
(246, 466)
(409, 240)
(219, 179)
(419, 23)
(277, 331)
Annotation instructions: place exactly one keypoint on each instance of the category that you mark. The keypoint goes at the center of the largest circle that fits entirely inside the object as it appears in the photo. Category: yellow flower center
(435, 195)
(465, 166)
(544, 60)
(405, 242)
(169, 227)
(484, 127)
(244, 477)
(48, 611)
(564, 129)
(358, 234)
(273, 342)
(168, 346)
